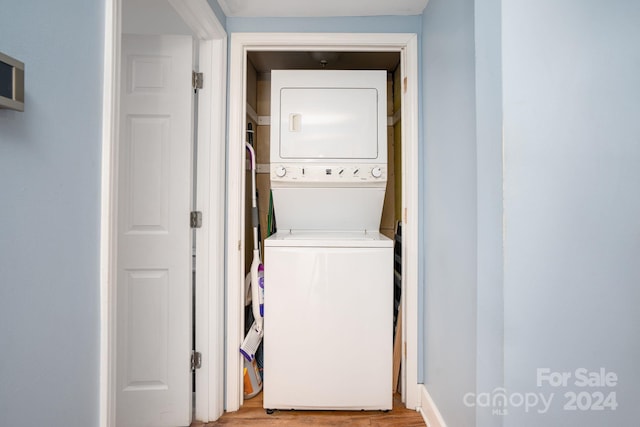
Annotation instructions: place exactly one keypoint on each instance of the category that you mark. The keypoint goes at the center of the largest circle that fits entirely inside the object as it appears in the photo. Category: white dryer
(328, 149)
(328, 271)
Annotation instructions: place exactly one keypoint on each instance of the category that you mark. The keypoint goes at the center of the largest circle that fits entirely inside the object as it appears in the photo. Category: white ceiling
(320, 8)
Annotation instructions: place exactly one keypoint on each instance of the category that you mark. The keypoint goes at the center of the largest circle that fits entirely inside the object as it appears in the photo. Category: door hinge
(196, 80)
(196, 360)
(196, 219)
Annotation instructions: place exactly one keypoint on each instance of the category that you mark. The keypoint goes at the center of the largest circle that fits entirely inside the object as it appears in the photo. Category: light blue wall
(490, 304)
(449, 116)
(558, 288)
(49, 215)
(365, 24)
(572, 201)
(219, 12)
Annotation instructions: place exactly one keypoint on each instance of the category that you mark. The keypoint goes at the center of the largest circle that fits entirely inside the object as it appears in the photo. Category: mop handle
(254, 201)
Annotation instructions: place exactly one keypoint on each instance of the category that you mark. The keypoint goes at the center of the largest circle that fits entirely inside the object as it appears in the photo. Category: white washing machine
(328, 321)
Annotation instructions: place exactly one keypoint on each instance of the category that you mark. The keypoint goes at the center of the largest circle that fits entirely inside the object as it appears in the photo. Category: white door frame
(241, 43)
(197, 14)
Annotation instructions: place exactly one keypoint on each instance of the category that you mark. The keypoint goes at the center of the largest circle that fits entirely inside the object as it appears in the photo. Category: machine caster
(270, 411)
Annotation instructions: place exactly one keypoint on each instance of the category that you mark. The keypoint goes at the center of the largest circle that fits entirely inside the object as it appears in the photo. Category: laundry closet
(282, 363)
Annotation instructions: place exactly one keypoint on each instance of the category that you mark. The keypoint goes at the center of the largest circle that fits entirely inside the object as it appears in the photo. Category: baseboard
(428, 409)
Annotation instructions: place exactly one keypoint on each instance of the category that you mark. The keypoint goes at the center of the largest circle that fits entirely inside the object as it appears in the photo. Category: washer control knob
(376, 172)
(281, 171)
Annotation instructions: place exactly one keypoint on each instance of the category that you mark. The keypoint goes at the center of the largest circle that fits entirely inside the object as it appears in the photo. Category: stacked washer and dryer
(328, 271)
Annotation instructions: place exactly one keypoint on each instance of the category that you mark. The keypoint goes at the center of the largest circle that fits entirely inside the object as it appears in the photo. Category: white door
(153, 334)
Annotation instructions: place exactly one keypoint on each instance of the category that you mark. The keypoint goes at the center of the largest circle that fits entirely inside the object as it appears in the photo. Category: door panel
(154, 244)
(148, 193)
(147, 358)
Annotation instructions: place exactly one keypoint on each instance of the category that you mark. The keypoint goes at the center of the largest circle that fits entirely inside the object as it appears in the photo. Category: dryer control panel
(328, 174)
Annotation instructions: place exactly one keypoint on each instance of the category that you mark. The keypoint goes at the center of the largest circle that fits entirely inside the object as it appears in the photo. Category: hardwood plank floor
(252, 414)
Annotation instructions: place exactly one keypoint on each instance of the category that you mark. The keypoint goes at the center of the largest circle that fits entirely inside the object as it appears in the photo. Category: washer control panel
(329, 173)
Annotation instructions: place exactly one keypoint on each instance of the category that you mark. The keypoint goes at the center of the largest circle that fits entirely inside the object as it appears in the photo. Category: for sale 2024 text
(595, 392)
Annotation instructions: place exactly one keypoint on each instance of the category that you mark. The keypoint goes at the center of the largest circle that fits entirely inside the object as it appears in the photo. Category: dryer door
(329, 123)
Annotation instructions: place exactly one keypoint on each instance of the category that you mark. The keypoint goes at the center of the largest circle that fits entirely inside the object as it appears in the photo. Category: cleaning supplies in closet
(251, 343)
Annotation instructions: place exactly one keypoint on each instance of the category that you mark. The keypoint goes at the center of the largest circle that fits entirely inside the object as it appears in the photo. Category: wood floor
(252, 414)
